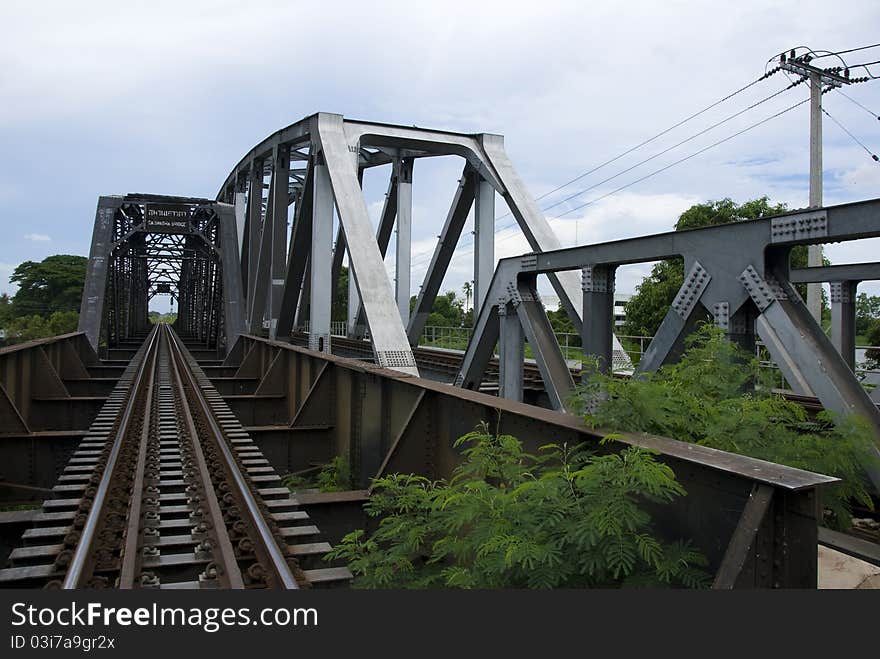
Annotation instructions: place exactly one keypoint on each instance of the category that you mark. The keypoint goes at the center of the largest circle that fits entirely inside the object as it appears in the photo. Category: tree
(339, 310)
(700, 399)
(873, 337)
(54, 284)
(5, 309)
(562, 324)
(647, 308)
(867, 312)
(28, 328)
(448, 311)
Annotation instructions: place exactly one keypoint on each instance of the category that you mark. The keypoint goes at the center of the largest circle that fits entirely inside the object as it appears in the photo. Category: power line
(424, 257)
(651, 139)
(854, 138)
(675, 146)
(681, 160)
(665, 167)
(849, 50)
(871, 112)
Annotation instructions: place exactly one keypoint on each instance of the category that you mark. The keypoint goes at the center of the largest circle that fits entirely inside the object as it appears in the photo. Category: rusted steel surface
(384, 421)
(167, 490)
(50, 391)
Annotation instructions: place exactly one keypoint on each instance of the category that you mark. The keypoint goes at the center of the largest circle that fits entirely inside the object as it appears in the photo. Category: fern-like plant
(509, 519)
(716, 396)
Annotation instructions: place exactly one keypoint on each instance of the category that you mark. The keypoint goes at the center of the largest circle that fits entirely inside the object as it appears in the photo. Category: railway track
(167, 490)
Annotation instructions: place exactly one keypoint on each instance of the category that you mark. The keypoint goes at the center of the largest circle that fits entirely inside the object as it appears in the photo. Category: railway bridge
(157, 453)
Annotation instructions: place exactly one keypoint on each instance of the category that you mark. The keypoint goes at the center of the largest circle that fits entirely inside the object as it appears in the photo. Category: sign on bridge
(168, 218)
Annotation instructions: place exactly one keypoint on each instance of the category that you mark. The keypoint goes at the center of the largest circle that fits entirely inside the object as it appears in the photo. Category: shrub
(508, 519)
(708, 398)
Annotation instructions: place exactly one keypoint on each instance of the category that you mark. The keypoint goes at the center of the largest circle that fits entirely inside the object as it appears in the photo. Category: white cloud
(37, 237)
(568, 88)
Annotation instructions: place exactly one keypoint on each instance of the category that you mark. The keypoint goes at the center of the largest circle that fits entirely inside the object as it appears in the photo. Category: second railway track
(167, 490)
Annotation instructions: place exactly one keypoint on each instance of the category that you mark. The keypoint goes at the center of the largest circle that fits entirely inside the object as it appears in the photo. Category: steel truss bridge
(157, 452)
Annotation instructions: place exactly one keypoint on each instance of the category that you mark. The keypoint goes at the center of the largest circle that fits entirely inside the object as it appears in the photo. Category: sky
(165, 97)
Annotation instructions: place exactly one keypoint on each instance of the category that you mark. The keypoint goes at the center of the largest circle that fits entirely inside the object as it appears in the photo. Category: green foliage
(28, 328)
(873, 338)
(646, 309)
(156, 317)
(562, 324)
(339, 309)
(867, 313)
(5, 309)
(448, 311)
(509, 519)
(701, 399)
(54, 284)
(335, 476)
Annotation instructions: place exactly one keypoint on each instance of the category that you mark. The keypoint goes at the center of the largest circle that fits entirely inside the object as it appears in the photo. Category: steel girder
(346, 148)
(312, 406)
(746, 289)
(193, 257)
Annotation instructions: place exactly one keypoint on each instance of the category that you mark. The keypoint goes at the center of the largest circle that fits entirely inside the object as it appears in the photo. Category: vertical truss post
(254, 226)
(387, 333)
(484, 241)
(279, 203)
(843, 320)
(291, 311)
(91, 312)
(320, 298)
(233, 304)
(403, 247)
(510, 354)
(448, 239)
(597, 337)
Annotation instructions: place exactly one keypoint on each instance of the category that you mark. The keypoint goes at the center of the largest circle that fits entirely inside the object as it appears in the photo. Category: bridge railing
(756, 522)
(50, 390)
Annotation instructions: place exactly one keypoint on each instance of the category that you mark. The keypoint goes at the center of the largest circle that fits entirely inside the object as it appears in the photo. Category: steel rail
(231, 574)
(130, 555)
(80, 559)
(275, 555)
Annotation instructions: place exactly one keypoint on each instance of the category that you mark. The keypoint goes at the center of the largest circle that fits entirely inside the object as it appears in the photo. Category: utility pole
(818, 77)
(814, 253)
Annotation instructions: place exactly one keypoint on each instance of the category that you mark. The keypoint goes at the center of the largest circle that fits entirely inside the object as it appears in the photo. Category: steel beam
(448, 239)
(403, 242)
(91, 312)
(803, 352)
(278, 205)
(321, 288)
(387, 335)
(845, 272)
(233, 297)
(254, 227)
(843, 320)
(539, 333)
(484, 241)
(297, 259)
(511, 356)
(356, 321)
(597, 336)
